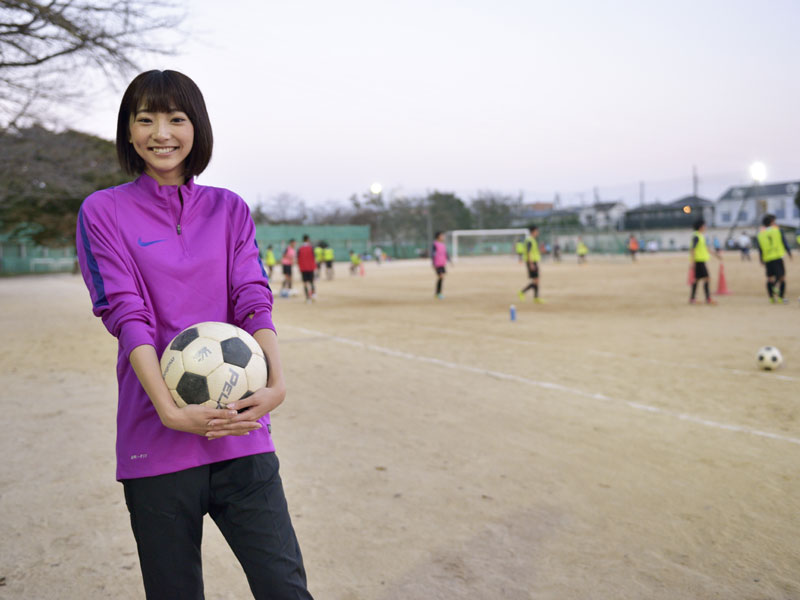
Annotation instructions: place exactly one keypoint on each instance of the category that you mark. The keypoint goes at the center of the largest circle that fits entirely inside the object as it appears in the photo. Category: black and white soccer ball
(769, 358)
(213, 364)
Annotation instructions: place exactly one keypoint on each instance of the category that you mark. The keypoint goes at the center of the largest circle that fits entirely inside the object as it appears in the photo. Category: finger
(241, 404)
(239, 426)
(218, 433)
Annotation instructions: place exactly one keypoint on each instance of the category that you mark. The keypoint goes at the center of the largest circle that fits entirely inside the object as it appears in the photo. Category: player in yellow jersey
(319, 251)
(532, 258)
(269, 258)
(699, 256)
(355, 263)
(328, 256)
(582, 251)
(772, 247)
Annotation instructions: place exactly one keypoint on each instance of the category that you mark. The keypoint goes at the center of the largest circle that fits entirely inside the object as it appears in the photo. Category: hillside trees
(44, 177)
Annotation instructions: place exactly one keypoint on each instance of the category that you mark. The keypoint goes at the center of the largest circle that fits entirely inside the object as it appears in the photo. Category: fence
(17, 258)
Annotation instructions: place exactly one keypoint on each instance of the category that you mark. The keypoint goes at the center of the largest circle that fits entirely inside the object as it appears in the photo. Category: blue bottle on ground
(513, 312)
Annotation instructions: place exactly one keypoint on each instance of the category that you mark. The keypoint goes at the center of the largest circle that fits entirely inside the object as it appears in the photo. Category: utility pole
(596, 195)
(641, 193)
(695, 181)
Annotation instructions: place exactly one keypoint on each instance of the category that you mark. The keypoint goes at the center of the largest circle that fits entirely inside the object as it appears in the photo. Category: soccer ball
(769, 358)
(213, 364)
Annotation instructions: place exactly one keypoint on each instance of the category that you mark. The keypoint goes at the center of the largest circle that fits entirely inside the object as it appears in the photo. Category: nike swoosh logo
(145, 244)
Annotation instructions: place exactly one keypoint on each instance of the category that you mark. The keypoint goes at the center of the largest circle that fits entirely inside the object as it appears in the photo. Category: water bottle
(513, 312)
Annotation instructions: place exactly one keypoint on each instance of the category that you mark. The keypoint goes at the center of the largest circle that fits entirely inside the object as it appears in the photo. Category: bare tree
(283, 209)
(48, 49)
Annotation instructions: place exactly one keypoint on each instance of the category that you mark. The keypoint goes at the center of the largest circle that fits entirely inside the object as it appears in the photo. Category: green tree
(491, 210)
(448, 212)
(44, 177)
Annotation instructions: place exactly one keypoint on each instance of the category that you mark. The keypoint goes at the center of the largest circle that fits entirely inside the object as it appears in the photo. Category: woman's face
(163, 140)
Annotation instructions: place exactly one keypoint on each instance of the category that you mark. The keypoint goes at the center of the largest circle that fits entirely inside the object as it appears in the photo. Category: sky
(584, 98)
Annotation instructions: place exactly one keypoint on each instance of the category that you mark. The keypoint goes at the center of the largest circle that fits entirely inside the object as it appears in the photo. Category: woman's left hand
(250, 409)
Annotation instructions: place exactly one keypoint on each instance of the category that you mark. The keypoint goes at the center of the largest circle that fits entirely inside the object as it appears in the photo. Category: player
(319, 250)
(270, 260)
(355, 263)
(582, 251)
(439, 258)
(159, 254)
(633, 247)
(328, 256)
(307, 266)
(378, 255)
(744, 244)
(698, 255)
(287, 260)
(772, 247)
(532, 258)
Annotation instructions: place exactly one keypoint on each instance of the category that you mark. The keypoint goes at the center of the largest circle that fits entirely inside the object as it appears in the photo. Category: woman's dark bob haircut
(164, 91)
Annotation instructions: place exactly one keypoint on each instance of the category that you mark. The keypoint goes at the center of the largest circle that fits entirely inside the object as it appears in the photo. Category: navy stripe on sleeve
(261, 264)
(91, 261)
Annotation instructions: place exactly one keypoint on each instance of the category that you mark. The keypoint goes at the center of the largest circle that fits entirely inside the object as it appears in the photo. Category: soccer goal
(479, 242)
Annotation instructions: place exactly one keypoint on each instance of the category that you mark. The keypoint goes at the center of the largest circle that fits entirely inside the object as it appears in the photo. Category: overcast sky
(320, 98)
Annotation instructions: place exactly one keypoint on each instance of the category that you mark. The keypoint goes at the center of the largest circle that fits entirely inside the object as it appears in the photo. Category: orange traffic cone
(722, 286)
(690, 276)
(361, 270)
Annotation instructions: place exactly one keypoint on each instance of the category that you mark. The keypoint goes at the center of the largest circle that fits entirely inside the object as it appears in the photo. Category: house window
(743, 215)
(725, 217)
(780, 213)
(796, 212)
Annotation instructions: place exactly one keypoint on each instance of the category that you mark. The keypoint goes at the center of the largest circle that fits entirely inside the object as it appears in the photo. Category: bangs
(159, 92)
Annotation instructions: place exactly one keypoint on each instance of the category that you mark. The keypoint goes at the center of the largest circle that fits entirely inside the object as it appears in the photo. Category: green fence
(17, 258)
(342, 238)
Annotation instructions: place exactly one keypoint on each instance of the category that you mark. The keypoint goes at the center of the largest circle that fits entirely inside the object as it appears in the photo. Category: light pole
(758, 174)
(375, 189)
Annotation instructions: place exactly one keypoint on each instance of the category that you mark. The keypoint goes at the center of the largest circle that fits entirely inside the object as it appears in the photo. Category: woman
(159, 254)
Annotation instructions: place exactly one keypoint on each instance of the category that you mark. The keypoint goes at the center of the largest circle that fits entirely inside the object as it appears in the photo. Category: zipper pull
(179, 228)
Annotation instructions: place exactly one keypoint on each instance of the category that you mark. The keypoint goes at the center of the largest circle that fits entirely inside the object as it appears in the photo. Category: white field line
(654, 361)
(550, 386)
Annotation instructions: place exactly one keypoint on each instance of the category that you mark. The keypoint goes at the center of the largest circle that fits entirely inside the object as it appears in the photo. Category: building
(603, 215)
(745, 205)
(679, 214)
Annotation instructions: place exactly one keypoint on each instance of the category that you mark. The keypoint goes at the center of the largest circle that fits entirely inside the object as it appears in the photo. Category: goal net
(479, 242)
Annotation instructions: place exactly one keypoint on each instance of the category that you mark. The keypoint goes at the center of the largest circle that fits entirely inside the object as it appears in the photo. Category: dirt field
(613, 443)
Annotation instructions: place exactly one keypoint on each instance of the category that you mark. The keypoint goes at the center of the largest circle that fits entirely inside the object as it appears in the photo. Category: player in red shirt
(307, 265)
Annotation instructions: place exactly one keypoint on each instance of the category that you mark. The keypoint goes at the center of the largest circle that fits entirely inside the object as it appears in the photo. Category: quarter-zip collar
(165, 194)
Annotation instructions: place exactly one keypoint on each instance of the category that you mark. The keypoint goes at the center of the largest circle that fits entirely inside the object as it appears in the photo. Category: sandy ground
(613, 443)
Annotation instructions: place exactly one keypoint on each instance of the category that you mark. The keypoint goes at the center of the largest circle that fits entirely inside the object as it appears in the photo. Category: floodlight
(758, 172)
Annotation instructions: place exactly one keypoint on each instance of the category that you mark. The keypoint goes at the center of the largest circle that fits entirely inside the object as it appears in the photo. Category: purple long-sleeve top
(157, 259)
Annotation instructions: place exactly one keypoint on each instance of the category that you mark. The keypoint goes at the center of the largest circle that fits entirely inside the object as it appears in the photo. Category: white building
(745, 205)
(603, 215)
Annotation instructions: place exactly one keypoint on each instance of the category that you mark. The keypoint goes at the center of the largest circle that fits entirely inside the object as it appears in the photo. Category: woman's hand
(246, 413)
(202, 420)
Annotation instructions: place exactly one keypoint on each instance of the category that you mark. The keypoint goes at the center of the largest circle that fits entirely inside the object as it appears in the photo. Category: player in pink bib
(440, 258)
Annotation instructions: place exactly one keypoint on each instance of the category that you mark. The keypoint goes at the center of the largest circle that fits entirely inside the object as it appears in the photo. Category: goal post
(485, 236)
